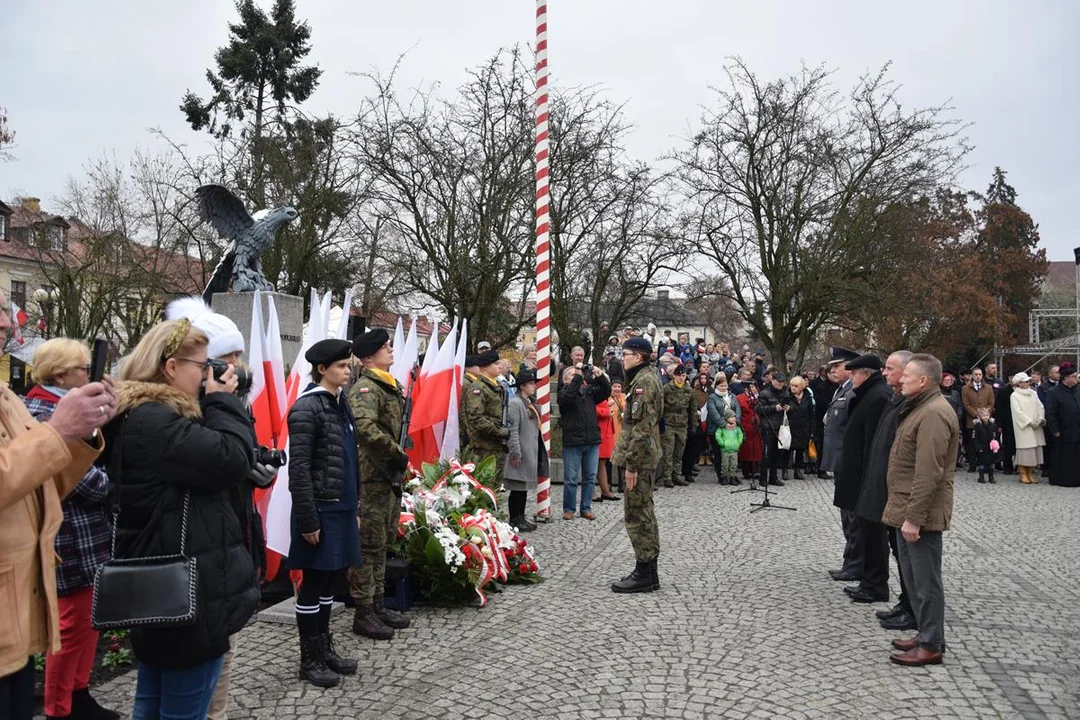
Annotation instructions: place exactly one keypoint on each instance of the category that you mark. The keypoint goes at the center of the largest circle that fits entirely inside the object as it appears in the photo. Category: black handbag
(150, 592)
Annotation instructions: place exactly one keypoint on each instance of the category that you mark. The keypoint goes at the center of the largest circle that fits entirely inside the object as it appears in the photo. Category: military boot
(654, 574)
(679, 482)
(313, 666)
(391, 618)
(367, 623)
(640, 580)
(338, 664)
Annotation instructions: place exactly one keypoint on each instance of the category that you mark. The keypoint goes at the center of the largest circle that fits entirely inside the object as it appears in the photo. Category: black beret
(679, 370)
(838, 354)
(328, 352)
(638, 344)
(488, 357)
(369, 343)
(525, 376)
(470, 361)
(865, 362)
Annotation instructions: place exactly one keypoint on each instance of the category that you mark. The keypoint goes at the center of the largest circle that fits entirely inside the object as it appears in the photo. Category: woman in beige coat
(1029, 419)
(39, 464)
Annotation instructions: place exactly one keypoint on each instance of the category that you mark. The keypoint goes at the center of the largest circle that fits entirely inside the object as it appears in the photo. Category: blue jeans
(162, 694)
(585, 459)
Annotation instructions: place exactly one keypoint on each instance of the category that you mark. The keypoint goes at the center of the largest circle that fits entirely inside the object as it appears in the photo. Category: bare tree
(785, 180)
(453, 178)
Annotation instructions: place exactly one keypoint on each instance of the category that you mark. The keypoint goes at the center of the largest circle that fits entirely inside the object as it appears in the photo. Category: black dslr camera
(270, 456)
(243, 376)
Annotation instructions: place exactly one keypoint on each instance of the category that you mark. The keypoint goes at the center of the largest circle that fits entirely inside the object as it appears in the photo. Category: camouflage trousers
(640, 518)
(674, 443)
(379, 511)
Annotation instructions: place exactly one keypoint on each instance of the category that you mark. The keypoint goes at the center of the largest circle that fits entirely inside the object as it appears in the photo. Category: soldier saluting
(378, 407)
(485, 402)
(637, 451)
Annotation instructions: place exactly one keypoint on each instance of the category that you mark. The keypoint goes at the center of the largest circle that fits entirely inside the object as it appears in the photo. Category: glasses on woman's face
(203, 364)
(85, 368)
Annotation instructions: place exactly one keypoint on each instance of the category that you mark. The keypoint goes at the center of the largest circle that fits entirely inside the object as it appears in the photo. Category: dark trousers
(17, 694)
(717, 457)
(853, 547)
(920, 563)
(970, 450)
(773, 458)
(516, 503)
(904, 600)
(875, 569)
(695, 443)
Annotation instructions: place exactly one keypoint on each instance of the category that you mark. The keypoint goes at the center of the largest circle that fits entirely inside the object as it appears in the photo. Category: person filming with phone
(771, 405)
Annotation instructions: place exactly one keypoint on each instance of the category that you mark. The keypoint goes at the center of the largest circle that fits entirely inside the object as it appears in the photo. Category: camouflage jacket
(638, 446)
(679, 411)
(379, 410)
(463, 420)
(483, 415)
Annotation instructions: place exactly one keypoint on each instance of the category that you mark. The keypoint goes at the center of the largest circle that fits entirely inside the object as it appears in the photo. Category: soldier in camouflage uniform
(378, 407)
(485, 408)
(471, 373)
(637, 451)
(678, 414)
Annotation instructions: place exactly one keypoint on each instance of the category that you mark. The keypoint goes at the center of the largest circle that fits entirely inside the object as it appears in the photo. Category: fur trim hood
(131, 394)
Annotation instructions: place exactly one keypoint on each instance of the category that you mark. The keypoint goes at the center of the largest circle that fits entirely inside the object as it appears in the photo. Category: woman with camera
(324, 481)
(178, 452)
(82, 543)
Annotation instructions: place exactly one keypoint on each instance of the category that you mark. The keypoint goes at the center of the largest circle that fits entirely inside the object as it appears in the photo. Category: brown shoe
(568, 516)
(588, 516)
(917, 657)
(905, 644)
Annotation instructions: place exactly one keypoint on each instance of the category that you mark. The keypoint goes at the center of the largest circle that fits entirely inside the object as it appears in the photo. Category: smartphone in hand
(99, 359)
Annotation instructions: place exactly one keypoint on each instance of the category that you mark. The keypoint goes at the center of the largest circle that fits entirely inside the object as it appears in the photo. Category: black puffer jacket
(316, 455)
(577, 410)
(771, 418)
(163, 444)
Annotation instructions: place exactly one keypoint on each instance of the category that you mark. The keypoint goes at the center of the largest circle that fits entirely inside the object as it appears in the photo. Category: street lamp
(46, 299)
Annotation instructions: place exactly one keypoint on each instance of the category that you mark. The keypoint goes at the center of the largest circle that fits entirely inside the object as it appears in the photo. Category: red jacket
(607, 429)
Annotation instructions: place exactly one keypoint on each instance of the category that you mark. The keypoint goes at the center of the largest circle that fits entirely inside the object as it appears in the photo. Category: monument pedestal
(290, 310)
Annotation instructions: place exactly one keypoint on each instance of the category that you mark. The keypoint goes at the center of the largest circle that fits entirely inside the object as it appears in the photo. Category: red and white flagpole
(543, 255)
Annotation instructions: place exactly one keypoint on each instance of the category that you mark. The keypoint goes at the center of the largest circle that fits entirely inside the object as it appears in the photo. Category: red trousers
(69, 669)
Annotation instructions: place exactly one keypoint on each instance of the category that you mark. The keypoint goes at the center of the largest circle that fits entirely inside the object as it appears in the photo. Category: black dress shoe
(852, 589)
(903, 621)
(895, 610)
(862, 596)
(842, 576)
(776, 483)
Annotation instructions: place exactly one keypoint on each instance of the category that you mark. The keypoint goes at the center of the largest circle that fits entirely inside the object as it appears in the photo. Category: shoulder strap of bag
(114, 476)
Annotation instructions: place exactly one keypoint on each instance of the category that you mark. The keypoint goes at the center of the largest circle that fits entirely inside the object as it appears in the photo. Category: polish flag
(451, 443)
(19, 315)
(405, 358)
(432, 401)
(399, 347)
(425, 446)
(279, 508)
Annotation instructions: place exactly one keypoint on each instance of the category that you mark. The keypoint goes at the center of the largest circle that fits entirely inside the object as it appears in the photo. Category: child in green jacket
(730, 439)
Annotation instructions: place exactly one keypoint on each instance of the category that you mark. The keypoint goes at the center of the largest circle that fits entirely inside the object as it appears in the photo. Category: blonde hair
(146, 362)
(56, 356)
(798, 380)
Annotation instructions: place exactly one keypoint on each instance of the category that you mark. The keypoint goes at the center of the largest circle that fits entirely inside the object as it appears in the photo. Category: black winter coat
(577, 410)
(801, 420)
(771, 418)
(1063, 413)
(316, 455)
(1003, 415)
(874, 494)
(984, 433)
(163, 444)
(953, 396)
(823, 393)
(864, 413)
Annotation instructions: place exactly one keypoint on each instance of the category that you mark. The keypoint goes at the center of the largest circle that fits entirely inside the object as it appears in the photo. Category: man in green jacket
(637, 451)
(485, 406)
(378, 409)
(678, 416)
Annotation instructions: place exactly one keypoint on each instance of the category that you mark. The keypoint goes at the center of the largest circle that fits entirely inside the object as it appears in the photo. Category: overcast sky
(82, 79)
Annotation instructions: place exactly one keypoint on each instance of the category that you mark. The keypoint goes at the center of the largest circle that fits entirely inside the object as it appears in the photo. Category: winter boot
(990, 476)
(367, 623)
(83, 705)
(312, 664)
(640, 580)
(982, 477)
(335, 662)
(391, 618)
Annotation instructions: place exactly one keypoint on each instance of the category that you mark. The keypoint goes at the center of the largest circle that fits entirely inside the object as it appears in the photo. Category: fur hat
(225, 337)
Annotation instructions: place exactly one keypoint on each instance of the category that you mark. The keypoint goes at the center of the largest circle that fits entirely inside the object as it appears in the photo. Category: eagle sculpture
(241, 268)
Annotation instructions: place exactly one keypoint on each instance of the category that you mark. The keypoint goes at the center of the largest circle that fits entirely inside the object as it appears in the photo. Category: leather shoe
(842, 576)
(851, 589)
(891, 612)
(863, 596)
(588, 516)
(906, 644)
(568, 516)
(903, 621)
(917, 657)
(776, 483)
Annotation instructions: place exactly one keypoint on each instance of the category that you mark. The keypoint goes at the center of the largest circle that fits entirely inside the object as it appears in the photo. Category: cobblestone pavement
(747, 625)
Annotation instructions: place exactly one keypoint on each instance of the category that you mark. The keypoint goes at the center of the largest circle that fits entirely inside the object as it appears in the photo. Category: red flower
(115, 647)
(533, 567)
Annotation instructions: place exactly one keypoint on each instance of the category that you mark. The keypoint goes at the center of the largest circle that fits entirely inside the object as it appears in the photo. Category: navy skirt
(339, 543)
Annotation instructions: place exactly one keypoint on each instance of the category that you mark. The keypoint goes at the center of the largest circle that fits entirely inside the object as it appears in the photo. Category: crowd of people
(163, 464)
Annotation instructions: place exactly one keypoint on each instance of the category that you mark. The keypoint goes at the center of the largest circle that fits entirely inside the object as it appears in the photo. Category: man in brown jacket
(976, 394)
(922, 464)
(39, 465)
